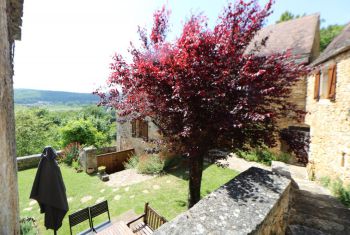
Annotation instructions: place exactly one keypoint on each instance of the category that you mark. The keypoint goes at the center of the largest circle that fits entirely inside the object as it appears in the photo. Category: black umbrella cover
(49, 190)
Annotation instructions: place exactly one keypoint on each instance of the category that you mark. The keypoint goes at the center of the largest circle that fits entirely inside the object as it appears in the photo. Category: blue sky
(67, 45)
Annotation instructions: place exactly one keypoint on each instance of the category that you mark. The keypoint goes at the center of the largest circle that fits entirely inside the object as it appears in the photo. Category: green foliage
(132, 162)
(263, 156)
(71, 153)
(28, 226)
(35, 129)
(75, 164)
(338, 189)
(38, 127)
(325, 181)
(288, 16)
(341, 192)
(150, 165)
(81, 131)
(327, 34)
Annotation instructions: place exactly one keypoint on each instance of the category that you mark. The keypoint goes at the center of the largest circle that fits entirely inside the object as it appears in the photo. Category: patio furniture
(151, 221)
(79, 217)
(97, 210)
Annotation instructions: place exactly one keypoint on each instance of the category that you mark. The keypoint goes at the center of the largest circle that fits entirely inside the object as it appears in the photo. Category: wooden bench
(151, 221)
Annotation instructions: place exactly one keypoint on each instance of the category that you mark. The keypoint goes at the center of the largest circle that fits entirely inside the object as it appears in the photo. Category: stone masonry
(330, 125)
(10, 22)
(255, 202)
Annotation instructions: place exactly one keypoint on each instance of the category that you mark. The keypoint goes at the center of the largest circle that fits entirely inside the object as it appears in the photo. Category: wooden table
(118, 228)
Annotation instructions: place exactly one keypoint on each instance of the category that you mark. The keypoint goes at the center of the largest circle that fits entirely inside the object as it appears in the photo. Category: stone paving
(126, 177)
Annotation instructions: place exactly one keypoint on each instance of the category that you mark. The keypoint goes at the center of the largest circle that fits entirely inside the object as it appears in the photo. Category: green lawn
(169, 200)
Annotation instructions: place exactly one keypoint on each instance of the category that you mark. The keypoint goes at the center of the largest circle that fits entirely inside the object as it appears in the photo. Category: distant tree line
(39, 127)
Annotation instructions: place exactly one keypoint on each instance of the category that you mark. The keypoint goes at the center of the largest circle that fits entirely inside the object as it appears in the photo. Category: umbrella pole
(54, 232)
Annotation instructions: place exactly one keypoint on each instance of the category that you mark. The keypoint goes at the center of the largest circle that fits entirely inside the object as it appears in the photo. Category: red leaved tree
(207, 88)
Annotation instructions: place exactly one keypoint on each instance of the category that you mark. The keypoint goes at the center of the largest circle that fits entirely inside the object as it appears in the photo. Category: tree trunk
(195, 179)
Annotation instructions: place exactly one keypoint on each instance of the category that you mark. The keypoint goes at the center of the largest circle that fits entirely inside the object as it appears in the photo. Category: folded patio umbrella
(49, 190)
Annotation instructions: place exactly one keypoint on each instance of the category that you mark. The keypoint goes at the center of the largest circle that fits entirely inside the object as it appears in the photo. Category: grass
(169, 200)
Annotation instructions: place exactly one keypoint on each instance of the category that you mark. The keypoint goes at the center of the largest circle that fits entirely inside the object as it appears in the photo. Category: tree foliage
(287, 15)
(38, 127)
(327, 34)
(207, 88)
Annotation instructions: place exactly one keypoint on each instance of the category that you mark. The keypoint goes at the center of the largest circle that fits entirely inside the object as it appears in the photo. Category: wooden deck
(118, 228)
(141, 229)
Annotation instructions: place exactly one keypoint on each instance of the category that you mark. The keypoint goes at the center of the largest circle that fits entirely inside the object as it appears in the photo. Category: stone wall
(255, 202)
(28, 162)
(330, 125)
(10, 22)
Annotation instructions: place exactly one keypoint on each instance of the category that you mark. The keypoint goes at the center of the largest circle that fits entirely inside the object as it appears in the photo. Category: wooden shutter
(133, 128)
(144, 130)
(332, 73)
(317, 86)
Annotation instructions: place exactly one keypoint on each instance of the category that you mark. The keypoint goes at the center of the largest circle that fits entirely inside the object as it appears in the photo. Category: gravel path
(126, 177)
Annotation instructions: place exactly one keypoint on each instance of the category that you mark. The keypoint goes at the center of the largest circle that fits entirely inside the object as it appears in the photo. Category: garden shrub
(71, 153)
(132, 162)
(152, 164)
(338, 189)
(263, 156)
(84, 132)
(28, 226)
(341, 192)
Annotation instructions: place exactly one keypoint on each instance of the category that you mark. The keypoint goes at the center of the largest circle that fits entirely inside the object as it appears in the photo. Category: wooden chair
(151, 221)
(79, 217)
(97, 210)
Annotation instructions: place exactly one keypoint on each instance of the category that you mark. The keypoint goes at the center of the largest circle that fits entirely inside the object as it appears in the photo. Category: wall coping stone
(238, 207)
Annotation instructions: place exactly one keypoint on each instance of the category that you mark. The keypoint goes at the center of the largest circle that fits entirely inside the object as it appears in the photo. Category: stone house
(10, 30)
(328, 107)
(300, 35)
(142, 135)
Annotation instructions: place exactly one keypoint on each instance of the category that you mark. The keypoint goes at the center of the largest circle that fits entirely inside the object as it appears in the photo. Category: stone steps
(315, 211)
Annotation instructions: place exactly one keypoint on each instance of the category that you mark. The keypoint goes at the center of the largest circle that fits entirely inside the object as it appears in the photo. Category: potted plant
(102, 173)
(90, 170)
(101, 170)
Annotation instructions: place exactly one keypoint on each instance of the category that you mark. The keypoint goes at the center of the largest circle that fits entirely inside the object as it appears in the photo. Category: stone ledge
(30, 161)
(255, 202)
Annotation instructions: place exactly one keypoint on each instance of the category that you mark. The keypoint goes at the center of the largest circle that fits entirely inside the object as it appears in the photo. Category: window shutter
(133, 128)
(332, 73)
(144, 130)
(317, 86)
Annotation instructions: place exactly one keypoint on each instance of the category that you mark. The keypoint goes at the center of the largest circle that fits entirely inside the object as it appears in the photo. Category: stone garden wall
(30, 161)
(255, 202)
(329, 153)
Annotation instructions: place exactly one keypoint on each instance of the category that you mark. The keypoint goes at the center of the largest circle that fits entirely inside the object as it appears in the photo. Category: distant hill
(42, 97)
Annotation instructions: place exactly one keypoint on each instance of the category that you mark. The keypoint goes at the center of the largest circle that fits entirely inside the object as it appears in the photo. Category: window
(139, 129)
(325, 83)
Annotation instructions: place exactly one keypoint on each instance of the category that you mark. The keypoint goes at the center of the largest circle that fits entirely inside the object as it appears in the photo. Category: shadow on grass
(182, 170)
